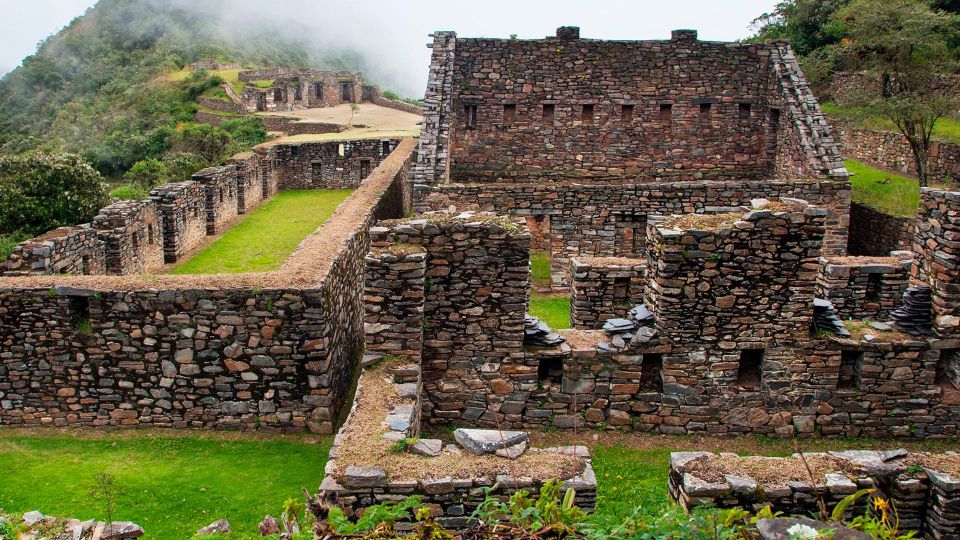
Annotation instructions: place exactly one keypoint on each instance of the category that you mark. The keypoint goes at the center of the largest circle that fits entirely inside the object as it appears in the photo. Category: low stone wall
(183, 206)
(220, 189)
(296, 126)
(889, 150)
(604, 288)
(876, 233)
(273, 350)
(374, 95)
(328, 165)
(132, 236)
(250, 191)
(851, 88)
(65, 250)
(927, 500)
(864, 288)
(221, 105)
(596, 220)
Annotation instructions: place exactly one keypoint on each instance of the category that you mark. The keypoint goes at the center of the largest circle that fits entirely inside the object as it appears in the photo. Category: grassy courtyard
(168, 484)
(885, 191)
(267, 236)
(174, 484)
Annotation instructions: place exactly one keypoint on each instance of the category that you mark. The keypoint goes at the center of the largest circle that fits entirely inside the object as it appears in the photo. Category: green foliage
(402, 445)
(7, 531)
(40, 191)
(210, 142)
(10, 241)
(807, 25)
(247, 131)
(383, 514)
(548, 510)
(173, 167)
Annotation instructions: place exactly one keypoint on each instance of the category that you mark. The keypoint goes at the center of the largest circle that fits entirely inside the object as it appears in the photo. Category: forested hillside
(97, 87)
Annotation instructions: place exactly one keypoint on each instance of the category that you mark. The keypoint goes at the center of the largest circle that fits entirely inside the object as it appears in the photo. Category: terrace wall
(328, 165)
(604, 288)
(220, 189)
(936, 252)
(183, 206)
(132, 235)
(271, 350)
(250, 192)
(890, 150)
(65, 250)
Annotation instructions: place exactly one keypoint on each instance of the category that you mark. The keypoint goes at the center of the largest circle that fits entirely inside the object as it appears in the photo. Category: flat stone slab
(364, 477)
(121, 530)
(221, 526)
(427, 447)
(488, 441)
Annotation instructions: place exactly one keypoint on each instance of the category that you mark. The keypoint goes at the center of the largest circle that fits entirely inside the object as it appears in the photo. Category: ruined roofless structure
(585, 138)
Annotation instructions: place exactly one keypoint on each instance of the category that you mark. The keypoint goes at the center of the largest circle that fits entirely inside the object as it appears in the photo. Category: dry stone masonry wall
(890, 150)
(131, 232)
(220, 190)
(299, 88)
(875, 233)
(864, 288)
(604, 288)
(329, 165)
(65, 250)
(183, 205)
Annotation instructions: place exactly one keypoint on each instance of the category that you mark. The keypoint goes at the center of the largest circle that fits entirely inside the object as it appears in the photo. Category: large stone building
(585, 138)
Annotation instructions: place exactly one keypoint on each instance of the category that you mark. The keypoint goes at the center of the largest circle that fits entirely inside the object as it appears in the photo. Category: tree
(208, 141)
(805, 24)
(39, 192)
(903, 44)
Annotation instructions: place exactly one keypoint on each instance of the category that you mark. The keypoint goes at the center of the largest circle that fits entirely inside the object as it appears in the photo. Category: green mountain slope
(97, 87)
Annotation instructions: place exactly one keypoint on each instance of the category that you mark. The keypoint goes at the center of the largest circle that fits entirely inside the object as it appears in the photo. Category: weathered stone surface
(122, 530)
(487, 441)
(427, 447)
(221, 526)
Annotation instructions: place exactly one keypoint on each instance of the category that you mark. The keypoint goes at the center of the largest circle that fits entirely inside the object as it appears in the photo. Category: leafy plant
(547, 511)
(292, 509)
(106, 491)
(379, 516)
(402, 445)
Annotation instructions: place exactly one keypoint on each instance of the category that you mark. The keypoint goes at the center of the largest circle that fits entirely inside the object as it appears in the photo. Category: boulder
(427, 447)
(221, 526)
(777, 529)
(121, 530)
(269, 525)
(32, 518)
(488, 441)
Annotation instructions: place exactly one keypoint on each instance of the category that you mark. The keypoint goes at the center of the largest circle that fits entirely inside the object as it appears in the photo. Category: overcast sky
(392, 33)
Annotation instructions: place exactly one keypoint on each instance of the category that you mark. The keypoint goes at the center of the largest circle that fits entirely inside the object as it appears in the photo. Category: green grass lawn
(266, 237)
(170, 485)
(888, 192)
(540, 268)
(946, 129)
(553, 309)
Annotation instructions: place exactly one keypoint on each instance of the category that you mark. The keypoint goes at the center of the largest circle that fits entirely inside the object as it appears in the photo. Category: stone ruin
(690, 196)
(299, 88)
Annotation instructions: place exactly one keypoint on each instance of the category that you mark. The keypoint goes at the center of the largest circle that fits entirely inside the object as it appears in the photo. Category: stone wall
(876, 233)
(132, 236)
(220, 190)
(864, 288)
(250, 190)
(328, 165)
(273, 350)
(604, 288)
(851, 88)
(374, 95)
(926, 499)
(597, 220)
(563, 107)
(65, 250)
(890, 150)
(936, 252)
(296, 126)
(183, 206)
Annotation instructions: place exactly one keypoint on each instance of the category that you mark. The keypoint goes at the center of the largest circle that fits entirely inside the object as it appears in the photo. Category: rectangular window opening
(586, 114)
(626, 114)
(85, 265)
(316, 171)
(948, 370)
(550, 369)
(748, 373)
(548, 111)
(874, 286)
(621, 288)
(666, 113)
(470, 116)
(651, 373)
(384, 147)
(364, 168)
(318, 90)
(705, 113)
(135, 241)
(850, 365)
(79, 309)
(150, 233)
(509, 113)
(297, 92)
(743, 110)
(277, 95)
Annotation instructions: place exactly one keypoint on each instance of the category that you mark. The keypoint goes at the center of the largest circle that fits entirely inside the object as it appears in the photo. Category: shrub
(39, 192)
(247, 131)
(212, 143)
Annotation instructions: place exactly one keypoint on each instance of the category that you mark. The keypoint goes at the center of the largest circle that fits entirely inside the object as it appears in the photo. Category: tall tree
(903, 45)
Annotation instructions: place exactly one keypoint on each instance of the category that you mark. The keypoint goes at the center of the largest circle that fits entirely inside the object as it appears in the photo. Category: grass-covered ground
(171, 485)
(268, 235)
(946, 129)
(551, 308)
(888, 192)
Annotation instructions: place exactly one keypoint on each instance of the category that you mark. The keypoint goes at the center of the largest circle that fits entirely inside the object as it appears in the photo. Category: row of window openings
(587, 115)
(135, 237)
(346, 92)
(316, 169)
(550, 369)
